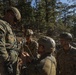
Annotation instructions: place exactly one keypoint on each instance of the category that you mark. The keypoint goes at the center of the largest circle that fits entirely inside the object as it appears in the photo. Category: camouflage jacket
(66, 62)
(8, 43)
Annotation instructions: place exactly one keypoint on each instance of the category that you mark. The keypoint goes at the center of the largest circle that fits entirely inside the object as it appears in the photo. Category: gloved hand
(8, 67)
(34, 61)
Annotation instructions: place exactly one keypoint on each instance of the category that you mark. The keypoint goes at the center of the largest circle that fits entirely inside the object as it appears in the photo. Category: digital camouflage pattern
(8, 45)
(66, 62)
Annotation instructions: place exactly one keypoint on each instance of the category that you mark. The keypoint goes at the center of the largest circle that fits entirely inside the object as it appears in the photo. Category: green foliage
(1, 8)
(27, 13)
(45, 14)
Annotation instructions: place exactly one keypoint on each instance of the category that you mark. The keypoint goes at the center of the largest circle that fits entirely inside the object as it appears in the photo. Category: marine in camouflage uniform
(46, 64)
(66, 56)
(8, 43)
(30, 46)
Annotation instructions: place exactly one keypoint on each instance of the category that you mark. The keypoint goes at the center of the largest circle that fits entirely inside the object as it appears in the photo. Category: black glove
(34, 61)
(8, 67)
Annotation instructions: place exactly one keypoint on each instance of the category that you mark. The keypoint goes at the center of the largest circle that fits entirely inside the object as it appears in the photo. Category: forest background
(45, 17)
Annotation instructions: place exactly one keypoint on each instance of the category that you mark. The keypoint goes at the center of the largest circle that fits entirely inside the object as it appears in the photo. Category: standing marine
(29, 51)
(8, 43)
(66, 55)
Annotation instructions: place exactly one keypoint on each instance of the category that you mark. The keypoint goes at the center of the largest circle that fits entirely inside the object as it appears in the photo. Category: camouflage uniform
(46, 64)
(66, 62)
(8, 46)
(32, 46)
(32, 49)
(66, 55)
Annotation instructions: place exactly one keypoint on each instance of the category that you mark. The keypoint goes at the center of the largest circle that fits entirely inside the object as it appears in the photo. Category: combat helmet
(66, 36)
(16, 13)
(29, 32)
(47, 42)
